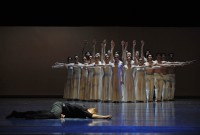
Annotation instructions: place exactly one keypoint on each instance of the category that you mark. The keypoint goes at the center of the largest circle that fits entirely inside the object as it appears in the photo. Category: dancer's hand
(62, 115)
(108, 116)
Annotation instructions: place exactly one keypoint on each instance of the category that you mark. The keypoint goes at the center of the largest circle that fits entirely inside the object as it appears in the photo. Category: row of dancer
(134, 78)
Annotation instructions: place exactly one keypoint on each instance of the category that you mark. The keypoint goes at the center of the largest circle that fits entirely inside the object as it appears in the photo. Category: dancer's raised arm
(93, 50)
(142, 49)
(111, 51)
(103, 46)
(123, 53)
(133, 51)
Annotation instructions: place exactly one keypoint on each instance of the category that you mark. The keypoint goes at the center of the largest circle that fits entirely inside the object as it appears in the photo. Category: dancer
(150, 64)
(117, 77)
(129, 92)
(61, 110)
(76, 78)
(107, 80)
(69, 75)
(84, 76)
(140, 85)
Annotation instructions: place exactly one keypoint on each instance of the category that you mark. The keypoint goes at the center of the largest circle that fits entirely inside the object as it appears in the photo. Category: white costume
(107, 87)
(129, 92)
(76, 81)
(150, 81)
(158, 83)
(89, 90)
(97, 83)
(117, 78)
(83, 82)
(140, 83)
(150, 87)
(69, 81)
(166, 83)
(171, 86)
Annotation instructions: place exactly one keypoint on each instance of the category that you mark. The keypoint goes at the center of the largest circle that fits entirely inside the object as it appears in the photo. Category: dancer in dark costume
(61, 110)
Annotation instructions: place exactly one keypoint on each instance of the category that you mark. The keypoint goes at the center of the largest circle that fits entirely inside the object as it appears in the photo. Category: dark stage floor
(181, 116)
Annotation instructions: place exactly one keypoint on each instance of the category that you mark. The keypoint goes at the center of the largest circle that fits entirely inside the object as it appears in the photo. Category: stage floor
(181, 116)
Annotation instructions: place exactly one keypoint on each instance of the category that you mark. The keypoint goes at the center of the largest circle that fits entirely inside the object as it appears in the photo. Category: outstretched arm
(178, 63)
(58, 65)
(96, 116)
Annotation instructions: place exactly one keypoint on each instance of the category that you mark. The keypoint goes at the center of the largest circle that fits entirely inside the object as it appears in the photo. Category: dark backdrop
(27, 54)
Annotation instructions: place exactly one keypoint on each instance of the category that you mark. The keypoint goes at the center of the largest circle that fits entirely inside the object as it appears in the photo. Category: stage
(181, 116)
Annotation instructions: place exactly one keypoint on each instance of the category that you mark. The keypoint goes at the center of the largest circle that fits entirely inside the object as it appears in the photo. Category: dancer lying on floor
(61, 110)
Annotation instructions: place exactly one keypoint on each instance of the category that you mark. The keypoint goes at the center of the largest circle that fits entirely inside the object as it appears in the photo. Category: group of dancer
(133, 77)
